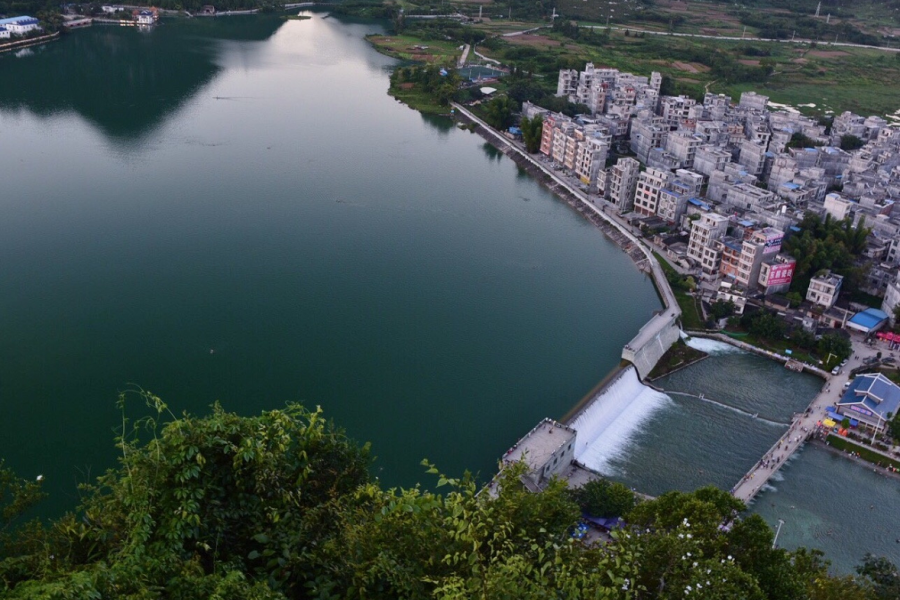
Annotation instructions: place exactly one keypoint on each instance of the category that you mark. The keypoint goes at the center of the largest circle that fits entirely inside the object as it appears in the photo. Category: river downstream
(235, 210)
(715, 419)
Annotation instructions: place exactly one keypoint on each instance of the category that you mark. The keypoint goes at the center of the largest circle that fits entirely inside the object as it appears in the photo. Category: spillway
(611, 420)
(710, 346)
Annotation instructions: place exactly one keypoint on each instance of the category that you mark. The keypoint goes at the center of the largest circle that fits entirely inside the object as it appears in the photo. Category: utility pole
(744, 32)
(777, 531)
(818, 8)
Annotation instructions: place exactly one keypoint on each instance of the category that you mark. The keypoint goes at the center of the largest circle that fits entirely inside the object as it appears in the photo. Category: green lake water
(235, 210)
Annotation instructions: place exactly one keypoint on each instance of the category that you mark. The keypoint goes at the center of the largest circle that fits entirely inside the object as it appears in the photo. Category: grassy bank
(865, 453)
(821, 78)
(678, 356)
(417, 99)
(690, 312)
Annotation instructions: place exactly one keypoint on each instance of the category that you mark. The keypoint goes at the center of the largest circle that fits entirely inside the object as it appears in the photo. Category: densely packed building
(727, 176)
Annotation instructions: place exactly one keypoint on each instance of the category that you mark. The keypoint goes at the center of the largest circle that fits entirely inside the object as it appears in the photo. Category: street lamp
(777, 531)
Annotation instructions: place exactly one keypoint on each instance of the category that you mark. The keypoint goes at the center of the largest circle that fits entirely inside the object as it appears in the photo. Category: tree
(812, 570)
(803, 339)
(721, 309)
(532, 130)
(850, 142)
(767, 326)
(894, 426)
(603, 498)
(834, 344)
(499, 111)
(794, 298)
(884, 576)
(281, 506)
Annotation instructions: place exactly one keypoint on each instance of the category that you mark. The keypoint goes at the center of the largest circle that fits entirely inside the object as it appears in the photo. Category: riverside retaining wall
(661, 331)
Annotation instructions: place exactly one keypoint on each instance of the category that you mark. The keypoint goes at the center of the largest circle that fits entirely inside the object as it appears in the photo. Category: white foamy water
(609, 424)
(710, 346)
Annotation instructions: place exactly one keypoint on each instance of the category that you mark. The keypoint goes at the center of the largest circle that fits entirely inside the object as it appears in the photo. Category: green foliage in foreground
(603, 498)
(281, 506)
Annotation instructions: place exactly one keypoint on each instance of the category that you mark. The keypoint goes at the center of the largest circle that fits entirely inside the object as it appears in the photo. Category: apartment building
(672, 205)
(824, 289)
(709, 228)
(622, 183)
(649, 184)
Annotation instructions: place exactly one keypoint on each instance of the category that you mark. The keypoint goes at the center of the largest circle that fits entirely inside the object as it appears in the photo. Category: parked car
(836, 370)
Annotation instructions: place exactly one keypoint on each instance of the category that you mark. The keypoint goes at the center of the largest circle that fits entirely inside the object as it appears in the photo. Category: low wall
(807, 368)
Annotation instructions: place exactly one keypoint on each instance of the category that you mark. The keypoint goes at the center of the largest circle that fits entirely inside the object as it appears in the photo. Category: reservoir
(234, 210)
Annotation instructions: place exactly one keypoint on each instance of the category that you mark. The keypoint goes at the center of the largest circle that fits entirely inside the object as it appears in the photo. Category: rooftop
(22, 20)
(868, 319)
(873, 392)
(540, 443)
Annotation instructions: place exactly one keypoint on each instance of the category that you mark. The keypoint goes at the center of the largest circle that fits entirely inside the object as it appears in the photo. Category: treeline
(282, 506)
(827, 244)
(430, 80)
(785, 27)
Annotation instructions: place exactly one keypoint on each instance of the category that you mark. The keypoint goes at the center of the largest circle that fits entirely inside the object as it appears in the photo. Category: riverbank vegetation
(681, 285)
(817, 77)
(826, 244)
(282, 505)
(678, 356)
(864, 453)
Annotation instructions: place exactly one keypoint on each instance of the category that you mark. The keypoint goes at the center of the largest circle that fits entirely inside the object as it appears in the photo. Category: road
(463, 57)
(802, 424)
(734, 38)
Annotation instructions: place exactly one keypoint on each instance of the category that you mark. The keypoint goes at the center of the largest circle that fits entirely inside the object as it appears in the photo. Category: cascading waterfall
(611, 420)
(709, 346)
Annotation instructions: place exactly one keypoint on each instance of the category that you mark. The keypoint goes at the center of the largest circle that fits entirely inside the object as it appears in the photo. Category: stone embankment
(19, 44)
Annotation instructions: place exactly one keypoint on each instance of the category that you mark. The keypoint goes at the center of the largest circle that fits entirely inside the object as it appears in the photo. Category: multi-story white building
(647, 132)
(753, 101)
(675, 109)
(837, 207)
(710, 158)
(590, 158)
(671, 205)
(650, 183)
(763, 242)
(683, 145)
(622, 182)
(567, 85)
(709, 228)
(19, 25)
(824, 289)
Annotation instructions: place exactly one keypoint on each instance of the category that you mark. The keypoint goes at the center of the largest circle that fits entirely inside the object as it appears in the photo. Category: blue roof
(23, 20)
(869, 318)
(873, 393)
(700, 203)
(791, 186)
(746, 223)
